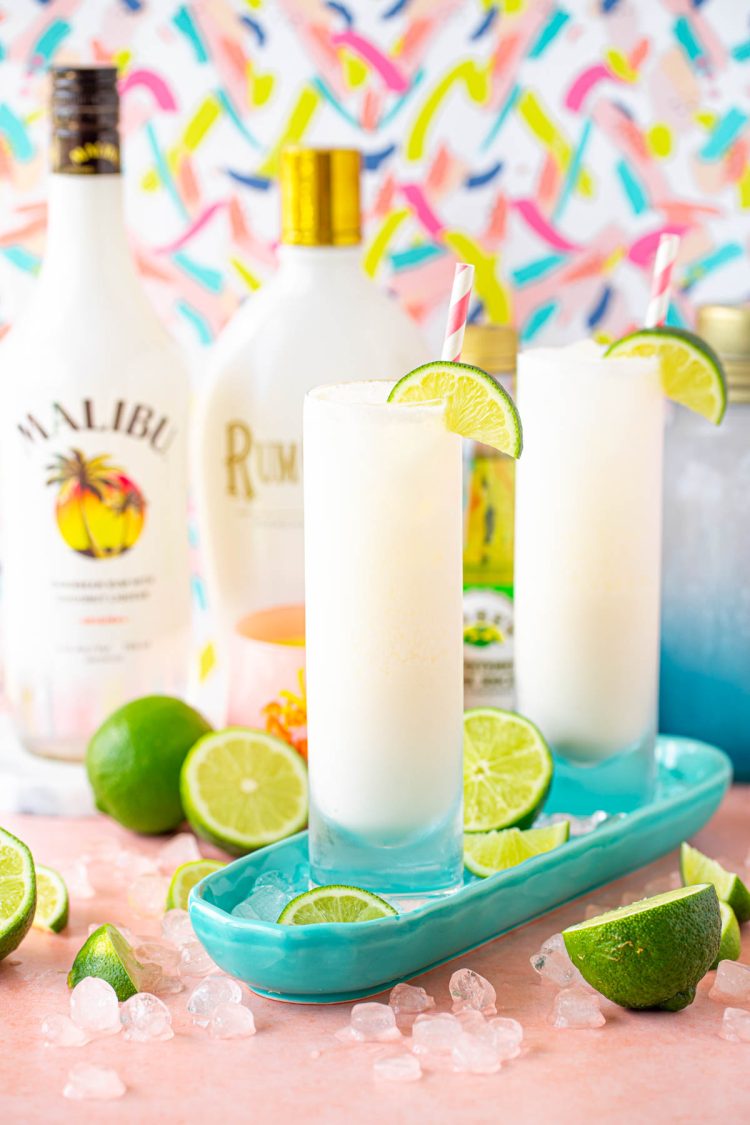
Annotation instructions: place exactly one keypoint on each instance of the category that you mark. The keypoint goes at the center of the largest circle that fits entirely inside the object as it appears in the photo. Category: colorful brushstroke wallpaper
(549, 143)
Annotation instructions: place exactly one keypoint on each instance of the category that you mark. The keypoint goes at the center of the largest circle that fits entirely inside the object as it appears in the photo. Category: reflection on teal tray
(326, 963)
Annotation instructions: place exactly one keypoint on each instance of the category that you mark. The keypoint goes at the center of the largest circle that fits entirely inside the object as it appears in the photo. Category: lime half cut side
(243, 789)
(477, 407)
(691, 371)
(653, 953)
(51, 901)
(486, 853)
(335, 904)
(106, 954)
(185, 878)
(698, 868)
(507, 770)
(17, 892)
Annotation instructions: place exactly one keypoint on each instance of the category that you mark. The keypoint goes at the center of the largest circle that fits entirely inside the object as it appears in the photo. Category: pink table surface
(639, 1068)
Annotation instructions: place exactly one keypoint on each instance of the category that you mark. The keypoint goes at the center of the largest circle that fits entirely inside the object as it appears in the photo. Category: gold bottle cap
(493, 347)
(727, 329)
(320, 197)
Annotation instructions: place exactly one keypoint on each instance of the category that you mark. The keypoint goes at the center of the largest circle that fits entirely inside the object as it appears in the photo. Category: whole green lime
(134, 760)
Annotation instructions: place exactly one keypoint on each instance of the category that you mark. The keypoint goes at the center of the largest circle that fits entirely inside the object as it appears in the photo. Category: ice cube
(231, 1021)
(438, 1032)
(182, 848)
(735, 1026)
(663, 884)
(147, 895)
(268, 901)
(373, 1021)
(470, 990)
(507, 1036)
(732, 984)
(476, 1055)
(195, 962)
(276, 879)
(88, 1081)
(94, 1006)
(157, 953)
(76, 875)
(109, 866)
(146, 1019)
(579, 825)
(553, 964)
(207, 996)
(576, 1008)
(60, 1031)
(408, 1001)
(244, 909)
(472, 1021)
(398, 1068)
(177, 928)
(594, 909)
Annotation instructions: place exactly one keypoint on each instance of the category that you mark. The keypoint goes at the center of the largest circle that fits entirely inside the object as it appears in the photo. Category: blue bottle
(705, 651)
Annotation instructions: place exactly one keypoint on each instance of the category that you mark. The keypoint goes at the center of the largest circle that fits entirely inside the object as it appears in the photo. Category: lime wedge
(51, 901)
(17, 892)
(691, 371)
(698, 868)
(108, 955)
(185, 878)
(652, 953)
(243, 789)
(507, 770)
(335, 904)
(476, 406)
(488, 852)
(730, 947)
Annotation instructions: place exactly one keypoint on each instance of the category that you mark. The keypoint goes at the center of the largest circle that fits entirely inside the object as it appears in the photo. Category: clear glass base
(422, 864)
(59, 749)
(622, 782)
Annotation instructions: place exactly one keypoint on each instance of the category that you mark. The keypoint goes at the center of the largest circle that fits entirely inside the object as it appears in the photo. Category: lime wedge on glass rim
(185, 878)
(335, 904)
(691, 371)
(485, 853)
(51, 901)
(243, 789)
(476, 406)
(507, 770)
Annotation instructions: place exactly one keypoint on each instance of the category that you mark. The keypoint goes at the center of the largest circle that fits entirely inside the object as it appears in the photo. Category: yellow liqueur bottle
(489, 500)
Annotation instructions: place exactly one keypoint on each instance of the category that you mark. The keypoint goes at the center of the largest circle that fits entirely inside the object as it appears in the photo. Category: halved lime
(51, 900)
(730, 947)
(243, 789)
(108, 955)
(507, 770)
(691, 371)
(488, 852)
(652, 953)
(335, 904)
(185, 878)
(476, 406)
(17, 892)
(698, 868)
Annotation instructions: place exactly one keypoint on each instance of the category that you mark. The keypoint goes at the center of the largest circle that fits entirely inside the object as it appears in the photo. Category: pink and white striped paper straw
(661, 281)
(458, 310)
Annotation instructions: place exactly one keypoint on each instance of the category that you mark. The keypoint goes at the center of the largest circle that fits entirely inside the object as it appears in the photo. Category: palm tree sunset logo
(100, 511)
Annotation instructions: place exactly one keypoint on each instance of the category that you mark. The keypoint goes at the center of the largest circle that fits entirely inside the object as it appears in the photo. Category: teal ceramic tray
(330, 963)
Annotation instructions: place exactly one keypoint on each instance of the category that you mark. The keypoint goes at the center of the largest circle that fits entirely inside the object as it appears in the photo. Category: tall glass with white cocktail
(384, 640)
(588, 549)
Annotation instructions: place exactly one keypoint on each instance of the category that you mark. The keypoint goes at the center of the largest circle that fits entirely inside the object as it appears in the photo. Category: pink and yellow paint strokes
(548, 143)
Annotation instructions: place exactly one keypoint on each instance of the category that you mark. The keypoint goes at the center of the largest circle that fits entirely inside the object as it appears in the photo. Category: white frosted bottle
(318, 320)
(93, 436)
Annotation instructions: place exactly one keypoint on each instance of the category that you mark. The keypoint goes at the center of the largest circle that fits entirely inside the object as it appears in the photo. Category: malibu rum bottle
(318, 320)
(93, 474)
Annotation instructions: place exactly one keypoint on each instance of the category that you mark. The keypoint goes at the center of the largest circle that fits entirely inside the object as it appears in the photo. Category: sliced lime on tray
(698, 868)
(476, 406)
(185, 878)
(52, 904)
(106, 954)
(653, 953)
(485, 853)
(17, 892)
(335, 904)
(691, 371)
(507, 770)
(243, 789)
